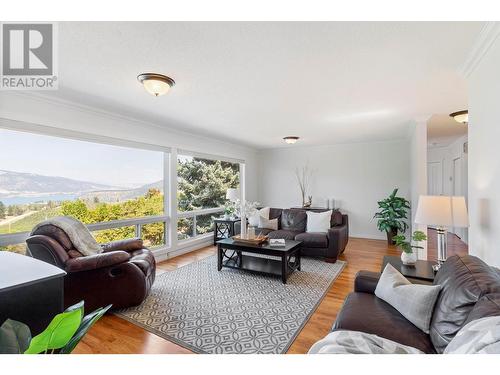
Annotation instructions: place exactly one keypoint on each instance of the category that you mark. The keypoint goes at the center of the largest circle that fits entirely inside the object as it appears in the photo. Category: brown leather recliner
(122, 275)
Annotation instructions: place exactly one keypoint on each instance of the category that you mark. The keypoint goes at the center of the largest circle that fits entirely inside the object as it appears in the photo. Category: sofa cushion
(464, 281)
(294, 219)
(313, 239)
(365, 312)
(253, 220)
(336, 218)
(268, 223)
(415, 302)
(318, 221)
(262, 231)
(282, 233)
(275, 213)
(488, 305)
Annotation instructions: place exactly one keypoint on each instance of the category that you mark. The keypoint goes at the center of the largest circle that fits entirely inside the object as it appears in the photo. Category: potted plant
(392, 215)
(408, 256)
(228, 210)
(61, 336)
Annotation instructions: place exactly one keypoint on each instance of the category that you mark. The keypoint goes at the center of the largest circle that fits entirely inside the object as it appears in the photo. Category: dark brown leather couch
(470, 289)
(122, 275)
(292, 224)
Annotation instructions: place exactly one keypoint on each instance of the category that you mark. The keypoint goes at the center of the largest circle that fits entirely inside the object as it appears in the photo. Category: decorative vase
(243, 233)
(409, 259)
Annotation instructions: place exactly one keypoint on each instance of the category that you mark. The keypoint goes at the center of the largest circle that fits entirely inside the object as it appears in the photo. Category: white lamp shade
(232, 194)
(443, 211)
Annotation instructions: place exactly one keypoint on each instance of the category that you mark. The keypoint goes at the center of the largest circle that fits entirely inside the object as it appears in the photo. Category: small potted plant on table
(408, 255)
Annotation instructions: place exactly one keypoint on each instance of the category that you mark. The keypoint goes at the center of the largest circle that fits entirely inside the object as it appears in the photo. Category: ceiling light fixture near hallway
(156, 84)
(291, 139)
(461, 116)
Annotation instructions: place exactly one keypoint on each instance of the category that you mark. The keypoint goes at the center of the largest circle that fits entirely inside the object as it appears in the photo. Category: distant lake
(34, 199)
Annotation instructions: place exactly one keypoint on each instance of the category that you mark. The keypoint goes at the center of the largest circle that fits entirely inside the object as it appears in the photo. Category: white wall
(60, 116)
(418, 175)
(357, 175)
(484, 154)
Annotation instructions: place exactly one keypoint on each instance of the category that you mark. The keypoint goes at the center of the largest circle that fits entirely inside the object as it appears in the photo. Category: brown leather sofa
(122, 275)
(470, 289)
(292, 224)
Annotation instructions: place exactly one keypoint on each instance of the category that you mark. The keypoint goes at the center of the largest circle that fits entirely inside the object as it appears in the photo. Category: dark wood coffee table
(230, 254)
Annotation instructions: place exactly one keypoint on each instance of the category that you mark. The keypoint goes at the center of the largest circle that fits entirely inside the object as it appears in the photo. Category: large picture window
(116, 190)
(202, 186)
(44, 176)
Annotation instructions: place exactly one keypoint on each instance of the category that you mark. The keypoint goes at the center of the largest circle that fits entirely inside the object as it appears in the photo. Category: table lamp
(442, 212)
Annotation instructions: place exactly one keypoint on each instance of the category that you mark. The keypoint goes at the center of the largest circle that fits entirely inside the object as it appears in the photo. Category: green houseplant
(61, 336)
(408, 256)
(392, 215)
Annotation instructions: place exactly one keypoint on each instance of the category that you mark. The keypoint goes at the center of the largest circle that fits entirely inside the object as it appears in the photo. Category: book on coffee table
(277, 242)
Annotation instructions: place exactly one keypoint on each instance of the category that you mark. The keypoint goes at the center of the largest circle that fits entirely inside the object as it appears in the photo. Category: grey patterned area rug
(232, 311)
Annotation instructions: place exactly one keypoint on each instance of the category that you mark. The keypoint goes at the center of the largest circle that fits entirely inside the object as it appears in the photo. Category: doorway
(447, 161)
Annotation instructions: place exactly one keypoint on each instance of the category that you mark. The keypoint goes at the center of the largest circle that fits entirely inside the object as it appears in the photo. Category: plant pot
(390, 235)
(409, 259)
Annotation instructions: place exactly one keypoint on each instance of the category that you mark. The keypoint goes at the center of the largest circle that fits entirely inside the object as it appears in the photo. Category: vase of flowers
(243, 210)
(229, 210)
(408, 254)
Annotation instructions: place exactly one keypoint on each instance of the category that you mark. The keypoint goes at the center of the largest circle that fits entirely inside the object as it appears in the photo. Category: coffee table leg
(284, 267)
(240, 259)
(219, 257)
(298, 259)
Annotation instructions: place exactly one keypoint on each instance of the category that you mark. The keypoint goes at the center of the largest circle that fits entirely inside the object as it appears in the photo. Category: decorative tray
(259, 240)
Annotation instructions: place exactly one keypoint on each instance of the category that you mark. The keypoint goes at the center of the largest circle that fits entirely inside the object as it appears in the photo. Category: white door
(435, 178)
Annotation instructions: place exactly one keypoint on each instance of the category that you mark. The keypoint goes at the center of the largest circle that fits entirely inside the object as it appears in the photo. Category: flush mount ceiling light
(291, 139)
(461, 116)
(156, 84)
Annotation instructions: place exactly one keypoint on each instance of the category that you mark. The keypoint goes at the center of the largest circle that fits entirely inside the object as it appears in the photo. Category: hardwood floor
(115, 335)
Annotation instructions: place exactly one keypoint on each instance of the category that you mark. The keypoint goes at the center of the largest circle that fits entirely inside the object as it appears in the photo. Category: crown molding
(487, 36)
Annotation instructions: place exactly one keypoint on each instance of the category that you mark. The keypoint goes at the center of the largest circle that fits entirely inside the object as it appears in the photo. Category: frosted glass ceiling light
(291, 140)
(156, 84)
(461, 116)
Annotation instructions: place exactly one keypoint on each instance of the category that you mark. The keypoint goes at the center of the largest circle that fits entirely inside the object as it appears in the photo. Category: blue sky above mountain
(79, 160)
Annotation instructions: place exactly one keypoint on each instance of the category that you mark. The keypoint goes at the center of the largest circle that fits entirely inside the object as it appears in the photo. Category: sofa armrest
(129, 244)
(337, 238)
(366, 281)
(96, 261)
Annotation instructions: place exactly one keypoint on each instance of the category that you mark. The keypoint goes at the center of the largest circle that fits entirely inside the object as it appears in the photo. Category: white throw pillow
(268, 224)
(253, 220)
(414, 301)
(318, 221)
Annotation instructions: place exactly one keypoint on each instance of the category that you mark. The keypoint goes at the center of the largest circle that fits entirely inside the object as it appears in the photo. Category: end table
(224, 228)
(422, 272)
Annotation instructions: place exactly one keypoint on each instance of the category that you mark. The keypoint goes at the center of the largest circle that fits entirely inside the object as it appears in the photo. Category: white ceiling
(442, 130)
(254, 83)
